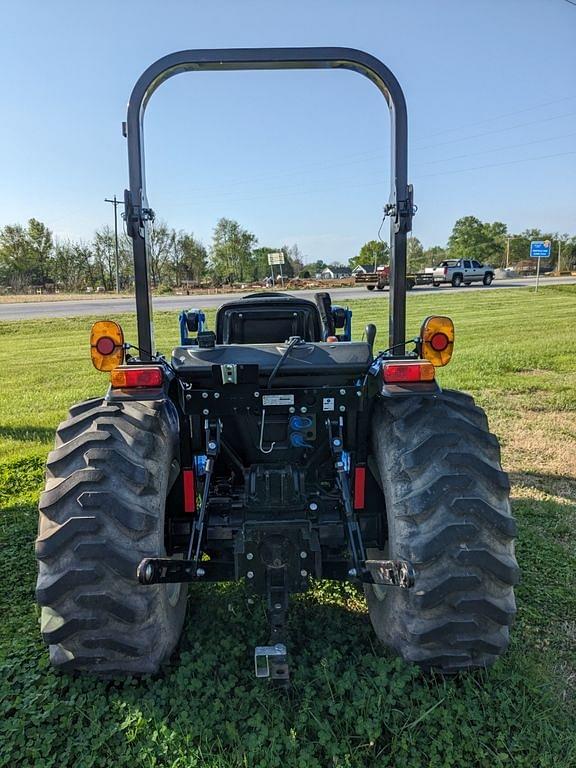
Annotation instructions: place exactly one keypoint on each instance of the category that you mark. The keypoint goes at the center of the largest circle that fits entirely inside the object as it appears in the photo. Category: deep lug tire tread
(103, 511)
(449, 514)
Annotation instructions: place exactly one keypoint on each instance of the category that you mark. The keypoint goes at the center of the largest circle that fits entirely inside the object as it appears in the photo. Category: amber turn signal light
(407, 371)
(106, 345)
(437, 340)
(130, 376)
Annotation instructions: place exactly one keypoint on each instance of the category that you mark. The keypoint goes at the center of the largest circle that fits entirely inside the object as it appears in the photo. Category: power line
(226, 197)
(499, 149)
(232, 195)
(498, 130)
(364, 156)
(502, 115)
(283, 192)
(496, 165)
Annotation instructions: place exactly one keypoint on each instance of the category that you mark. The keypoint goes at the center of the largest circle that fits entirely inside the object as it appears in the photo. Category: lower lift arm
(393, 573)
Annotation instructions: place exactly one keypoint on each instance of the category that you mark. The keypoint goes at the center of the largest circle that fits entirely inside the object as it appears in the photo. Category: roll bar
(138, 214)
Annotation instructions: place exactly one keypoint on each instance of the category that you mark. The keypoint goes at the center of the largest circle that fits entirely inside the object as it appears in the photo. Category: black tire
(380, 287)
(448, 513)
(370, 287)
(457, 280)
(436, 285)
(410, 284)
(102, 511)
(488, 277)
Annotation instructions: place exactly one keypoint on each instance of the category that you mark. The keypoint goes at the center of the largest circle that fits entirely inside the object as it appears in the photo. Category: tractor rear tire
(102, 511)
(448, 513)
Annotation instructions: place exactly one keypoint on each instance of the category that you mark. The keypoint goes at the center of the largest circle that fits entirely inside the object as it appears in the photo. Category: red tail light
(445, 271)
(405, 372)
(129, 376)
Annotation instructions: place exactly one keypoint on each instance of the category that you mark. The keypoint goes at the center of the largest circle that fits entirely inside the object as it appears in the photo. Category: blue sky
(294, 156)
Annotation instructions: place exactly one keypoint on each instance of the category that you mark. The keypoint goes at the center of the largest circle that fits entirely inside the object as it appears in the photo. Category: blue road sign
(540, 249)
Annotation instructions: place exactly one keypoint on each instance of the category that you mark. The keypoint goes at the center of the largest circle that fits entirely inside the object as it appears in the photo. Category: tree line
(31, 257)
(471, 238)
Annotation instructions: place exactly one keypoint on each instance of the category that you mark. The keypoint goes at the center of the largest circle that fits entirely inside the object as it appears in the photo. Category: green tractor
(273, 449)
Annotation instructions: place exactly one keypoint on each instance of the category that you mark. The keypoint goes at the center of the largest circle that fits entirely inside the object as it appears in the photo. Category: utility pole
(176, 262)
(116, 203)
(559, 254)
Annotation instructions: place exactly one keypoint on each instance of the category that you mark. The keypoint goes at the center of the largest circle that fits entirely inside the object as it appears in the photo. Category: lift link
(166, 570)
(336, 437)
(388, 573)
(212, 430)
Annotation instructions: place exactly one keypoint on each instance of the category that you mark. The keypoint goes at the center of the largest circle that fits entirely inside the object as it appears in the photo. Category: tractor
(275, 450)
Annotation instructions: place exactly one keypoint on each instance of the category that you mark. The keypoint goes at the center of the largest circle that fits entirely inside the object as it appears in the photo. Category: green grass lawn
(352, 704)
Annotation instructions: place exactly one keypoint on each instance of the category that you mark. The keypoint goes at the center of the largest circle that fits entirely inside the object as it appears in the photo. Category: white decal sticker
(328, 404)
(278, 400)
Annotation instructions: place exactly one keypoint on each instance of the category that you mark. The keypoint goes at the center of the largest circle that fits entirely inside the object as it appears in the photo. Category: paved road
(108, 305)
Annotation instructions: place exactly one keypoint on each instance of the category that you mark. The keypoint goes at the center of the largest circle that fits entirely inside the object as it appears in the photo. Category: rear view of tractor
(274, 449)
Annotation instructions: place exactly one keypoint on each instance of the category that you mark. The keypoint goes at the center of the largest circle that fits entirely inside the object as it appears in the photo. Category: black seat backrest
(262, 318)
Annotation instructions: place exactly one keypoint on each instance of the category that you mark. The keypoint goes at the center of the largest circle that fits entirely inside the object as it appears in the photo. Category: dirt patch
(537, 444)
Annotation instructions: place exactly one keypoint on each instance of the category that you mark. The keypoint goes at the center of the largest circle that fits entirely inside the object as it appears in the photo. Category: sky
(299, 156)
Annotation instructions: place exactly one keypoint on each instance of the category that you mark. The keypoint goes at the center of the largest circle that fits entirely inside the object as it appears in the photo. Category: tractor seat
(267, 318)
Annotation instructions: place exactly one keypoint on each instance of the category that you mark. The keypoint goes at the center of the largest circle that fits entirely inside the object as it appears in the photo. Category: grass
(352, 704)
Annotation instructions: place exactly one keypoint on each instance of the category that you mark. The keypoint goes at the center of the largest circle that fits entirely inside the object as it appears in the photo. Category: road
(108, 305)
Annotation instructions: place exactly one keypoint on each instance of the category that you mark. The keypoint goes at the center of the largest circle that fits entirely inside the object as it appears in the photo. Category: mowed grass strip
(352, 704)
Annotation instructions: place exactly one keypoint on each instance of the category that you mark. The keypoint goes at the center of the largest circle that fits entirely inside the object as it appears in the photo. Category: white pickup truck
(461, 272)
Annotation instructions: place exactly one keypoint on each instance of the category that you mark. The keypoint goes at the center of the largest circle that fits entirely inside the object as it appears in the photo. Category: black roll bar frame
(400, 206)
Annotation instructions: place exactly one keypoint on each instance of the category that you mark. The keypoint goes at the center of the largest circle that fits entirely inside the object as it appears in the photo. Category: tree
(40, 245)
(25, 254)
(101, 264)
(104, 257)
(288, 267)
(296, 258)
(231, 251)
(15, 266)
(415, 255)
(374, 253)
(161, 252)
(519, 246)
(192, 258)
(316, 266)
(261, 268)
(497, 233)
(474, 239)
(72, 267)
(567, 253)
